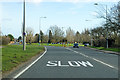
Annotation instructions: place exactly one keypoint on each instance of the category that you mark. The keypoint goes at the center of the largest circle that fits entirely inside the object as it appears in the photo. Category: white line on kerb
(30, 65)
(94, 59)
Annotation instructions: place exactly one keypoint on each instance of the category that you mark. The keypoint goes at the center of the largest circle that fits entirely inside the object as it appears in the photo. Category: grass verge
(107, 49)
(57, 45)
(13, 55)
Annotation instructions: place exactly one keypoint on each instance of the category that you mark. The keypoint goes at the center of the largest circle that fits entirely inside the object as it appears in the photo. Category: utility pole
(24, 38)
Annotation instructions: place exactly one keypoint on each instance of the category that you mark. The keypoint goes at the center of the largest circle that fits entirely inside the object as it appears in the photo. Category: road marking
(60, 64)
(69, 64)
(85, 63)
(52, 63)
(30, 65)
(94, 59)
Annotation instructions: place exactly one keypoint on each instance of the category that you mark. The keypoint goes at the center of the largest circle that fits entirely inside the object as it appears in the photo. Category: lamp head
(96, 4)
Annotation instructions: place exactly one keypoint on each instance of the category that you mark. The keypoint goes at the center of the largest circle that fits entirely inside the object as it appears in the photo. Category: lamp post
(106, 23)
(90, 35)
(40, 26)
(24, 38)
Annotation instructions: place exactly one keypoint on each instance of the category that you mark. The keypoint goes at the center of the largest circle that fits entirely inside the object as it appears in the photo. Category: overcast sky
(63, 13)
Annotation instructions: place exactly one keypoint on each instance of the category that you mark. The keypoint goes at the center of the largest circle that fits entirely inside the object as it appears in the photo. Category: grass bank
(107, 49)
(13, 55)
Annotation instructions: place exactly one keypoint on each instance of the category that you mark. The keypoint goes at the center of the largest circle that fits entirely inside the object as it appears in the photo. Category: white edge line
(30, 65)
(95, 59)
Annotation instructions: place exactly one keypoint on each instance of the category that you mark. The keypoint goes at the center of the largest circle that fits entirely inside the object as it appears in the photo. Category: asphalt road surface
(61, 62)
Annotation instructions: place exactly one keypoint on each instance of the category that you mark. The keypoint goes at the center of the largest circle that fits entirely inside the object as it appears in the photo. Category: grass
(57, 45)
(13, 55)
(107, 49)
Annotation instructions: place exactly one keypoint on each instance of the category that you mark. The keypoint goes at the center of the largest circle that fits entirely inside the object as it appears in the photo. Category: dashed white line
(30, 65)
(105, 63)
(94, 59)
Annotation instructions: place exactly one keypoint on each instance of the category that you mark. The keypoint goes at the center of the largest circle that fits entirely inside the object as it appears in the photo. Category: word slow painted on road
(69, 64)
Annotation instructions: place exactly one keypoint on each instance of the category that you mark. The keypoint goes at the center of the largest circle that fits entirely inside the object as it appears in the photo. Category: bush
(117, 42)
(5, 40)
(11, 37)
(102, 42)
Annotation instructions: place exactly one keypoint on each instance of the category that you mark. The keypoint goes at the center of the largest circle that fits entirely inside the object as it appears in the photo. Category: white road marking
(85, 64)
(69, 64)
(30, 65)
(74, 65)
(94, 59)
(60, 64)
(52, 63)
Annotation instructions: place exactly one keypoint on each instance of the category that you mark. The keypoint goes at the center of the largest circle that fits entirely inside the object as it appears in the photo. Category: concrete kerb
(110, 52)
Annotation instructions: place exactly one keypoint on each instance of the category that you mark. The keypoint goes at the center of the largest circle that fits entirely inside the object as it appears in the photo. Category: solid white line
(30, 65)
(95, 59)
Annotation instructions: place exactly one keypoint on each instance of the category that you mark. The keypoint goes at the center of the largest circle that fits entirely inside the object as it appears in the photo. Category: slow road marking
(69, 64)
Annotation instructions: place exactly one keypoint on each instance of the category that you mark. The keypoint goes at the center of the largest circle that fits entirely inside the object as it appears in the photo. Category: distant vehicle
(75, 45)
(86, 44)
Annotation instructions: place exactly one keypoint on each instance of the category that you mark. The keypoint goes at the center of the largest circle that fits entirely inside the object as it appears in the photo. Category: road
(61, 62)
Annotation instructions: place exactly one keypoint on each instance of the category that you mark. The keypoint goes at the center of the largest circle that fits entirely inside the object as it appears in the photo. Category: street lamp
(106, 23)
(90, 35)
(40, 26)
(24, 41)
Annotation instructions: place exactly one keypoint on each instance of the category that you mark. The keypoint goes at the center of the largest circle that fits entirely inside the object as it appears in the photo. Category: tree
(36, 38)
(111, 27)
(19, 38)
(77, 37)
(45, 39)
(57, 33)
(29, 35)
(5, 40)
(85, 36)
(70, 35)
(50, 36)
(41, 36)
(11, 37)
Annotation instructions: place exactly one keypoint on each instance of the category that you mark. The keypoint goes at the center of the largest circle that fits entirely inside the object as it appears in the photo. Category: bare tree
(111, 28)
(29, 35)
(85, 36)
(57, 33)
(77, 37)
(45, 38)
(5, 40)
(70, 35)
(36, 38)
